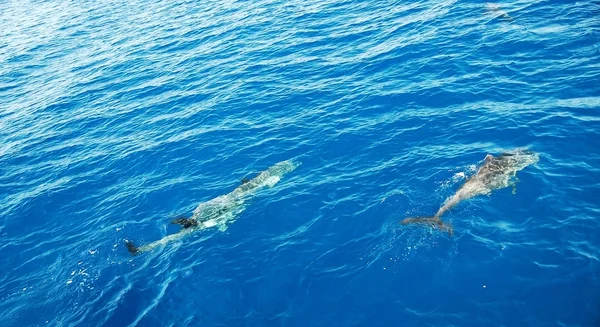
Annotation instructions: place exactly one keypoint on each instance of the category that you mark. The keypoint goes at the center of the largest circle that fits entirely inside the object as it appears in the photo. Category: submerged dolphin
(495, 173)
(223, 209)
(496, 10)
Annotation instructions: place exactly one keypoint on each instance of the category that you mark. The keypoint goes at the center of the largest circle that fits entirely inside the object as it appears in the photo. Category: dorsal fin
(185, 222)
(245, 180)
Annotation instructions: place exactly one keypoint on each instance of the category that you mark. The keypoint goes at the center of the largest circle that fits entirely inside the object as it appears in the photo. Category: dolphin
(496, 10)
(223, 209)
(495, 173)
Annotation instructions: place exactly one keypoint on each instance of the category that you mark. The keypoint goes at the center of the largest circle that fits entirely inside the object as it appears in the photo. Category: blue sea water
(116, 116)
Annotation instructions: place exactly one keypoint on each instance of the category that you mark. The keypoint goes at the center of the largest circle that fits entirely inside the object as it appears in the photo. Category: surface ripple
(117, 116)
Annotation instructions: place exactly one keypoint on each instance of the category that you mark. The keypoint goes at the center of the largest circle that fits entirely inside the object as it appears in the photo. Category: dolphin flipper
(513, 184)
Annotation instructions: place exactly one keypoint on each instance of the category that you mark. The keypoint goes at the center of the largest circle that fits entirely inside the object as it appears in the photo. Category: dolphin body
(495, 173)
(222, 209)
(496, 10)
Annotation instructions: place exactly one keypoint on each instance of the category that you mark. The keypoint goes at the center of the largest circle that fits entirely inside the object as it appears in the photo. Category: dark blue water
(116, 117)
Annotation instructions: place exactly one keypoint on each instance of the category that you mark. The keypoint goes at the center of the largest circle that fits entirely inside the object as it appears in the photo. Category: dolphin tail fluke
(134, 250)
(434, 221)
